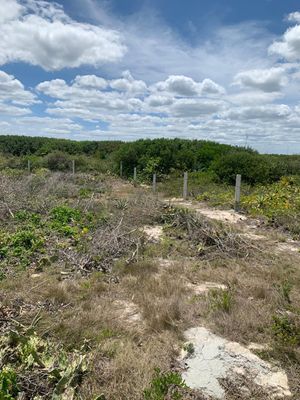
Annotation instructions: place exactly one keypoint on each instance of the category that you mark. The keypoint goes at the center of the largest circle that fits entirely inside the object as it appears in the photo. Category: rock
(216, 358)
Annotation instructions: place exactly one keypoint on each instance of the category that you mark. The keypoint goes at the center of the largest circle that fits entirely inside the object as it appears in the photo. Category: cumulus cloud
(294, 17)
(90, 82)
(40, 33)
(289, 47)
(267, 80)
(14, 98)
(185, 86)
(13, 90)
(128, 84)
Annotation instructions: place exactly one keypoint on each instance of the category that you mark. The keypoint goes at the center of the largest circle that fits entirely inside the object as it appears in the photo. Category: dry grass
(131, 318)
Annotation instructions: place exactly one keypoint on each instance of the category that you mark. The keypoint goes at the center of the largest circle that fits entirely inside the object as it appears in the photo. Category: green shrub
(254, 168)
(161, 383)
(58, 161)
(286, 331)
(65, 215)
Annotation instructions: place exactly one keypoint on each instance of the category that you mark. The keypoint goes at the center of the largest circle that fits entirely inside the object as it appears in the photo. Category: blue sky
(126, 69)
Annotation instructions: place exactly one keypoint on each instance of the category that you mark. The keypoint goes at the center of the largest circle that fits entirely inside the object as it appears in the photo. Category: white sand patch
(288, 246)
(222, 215)
(229, 216)
(214, 358)
(253, 236)
(128, 311)
(258, 347)
(205, 287)
(154, 233)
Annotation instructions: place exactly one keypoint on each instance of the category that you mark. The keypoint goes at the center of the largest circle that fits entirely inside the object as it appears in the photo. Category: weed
(189, 348)
(221, 300)
(161, 383)
(285, 290)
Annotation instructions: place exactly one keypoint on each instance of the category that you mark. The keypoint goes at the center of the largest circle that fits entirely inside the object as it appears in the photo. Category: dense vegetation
(162, 156)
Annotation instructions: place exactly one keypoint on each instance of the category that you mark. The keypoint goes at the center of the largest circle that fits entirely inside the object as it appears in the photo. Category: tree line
(160, 156)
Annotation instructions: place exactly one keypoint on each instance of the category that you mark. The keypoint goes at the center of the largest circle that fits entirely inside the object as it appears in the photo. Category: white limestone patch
(204, 288)
(214, 358)
(154, 232)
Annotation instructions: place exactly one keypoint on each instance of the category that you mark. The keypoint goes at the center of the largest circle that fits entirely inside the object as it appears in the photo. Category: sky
(221, 70)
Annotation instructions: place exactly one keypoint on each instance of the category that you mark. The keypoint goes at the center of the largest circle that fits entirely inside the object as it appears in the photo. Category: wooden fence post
(73, 167)
(185, 185)
(237, 199)
(134, 174)
(154, 183)
(121, 169)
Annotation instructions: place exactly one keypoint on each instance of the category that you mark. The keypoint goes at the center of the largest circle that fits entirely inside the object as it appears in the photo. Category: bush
(254, 168)
(58, 161)
(161, 383)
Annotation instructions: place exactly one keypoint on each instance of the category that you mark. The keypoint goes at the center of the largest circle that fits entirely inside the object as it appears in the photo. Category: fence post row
(237, 199)
(154, 183)
(185, 185)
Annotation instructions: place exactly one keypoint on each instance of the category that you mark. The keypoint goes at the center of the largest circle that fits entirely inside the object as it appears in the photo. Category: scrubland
(94, 306)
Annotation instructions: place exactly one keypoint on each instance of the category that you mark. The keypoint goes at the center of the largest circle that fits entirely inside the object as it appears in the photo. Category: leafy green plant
(161, 383)
(27, 216)
(189, 348)
(286, 331)
(8, 384)
(30, 353)
(65, 215)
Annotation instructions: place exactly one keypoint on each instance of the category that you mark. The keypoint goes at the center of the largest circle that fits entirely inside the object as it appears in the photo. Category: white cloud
(10, 10)
(128, 84)
(289, 47)
(14, 99)
(263, 113)
(294, 17)
(40, 33)
(185, 86)
(90, 81)
(12, 90)
(195, 107)
(267, 80)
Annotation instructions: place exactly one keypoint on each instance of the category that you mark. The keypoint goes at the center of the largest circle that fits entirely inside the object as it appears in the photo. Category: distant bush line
(162, 156)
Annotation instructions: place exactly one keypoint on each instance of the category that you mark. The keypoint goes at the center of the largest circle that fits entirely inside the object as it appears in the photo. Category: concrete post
(237, 199)
(29, 166)
(154, 183)
(185, 185)
(121, 169)
(134, 174)
(73, 167)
